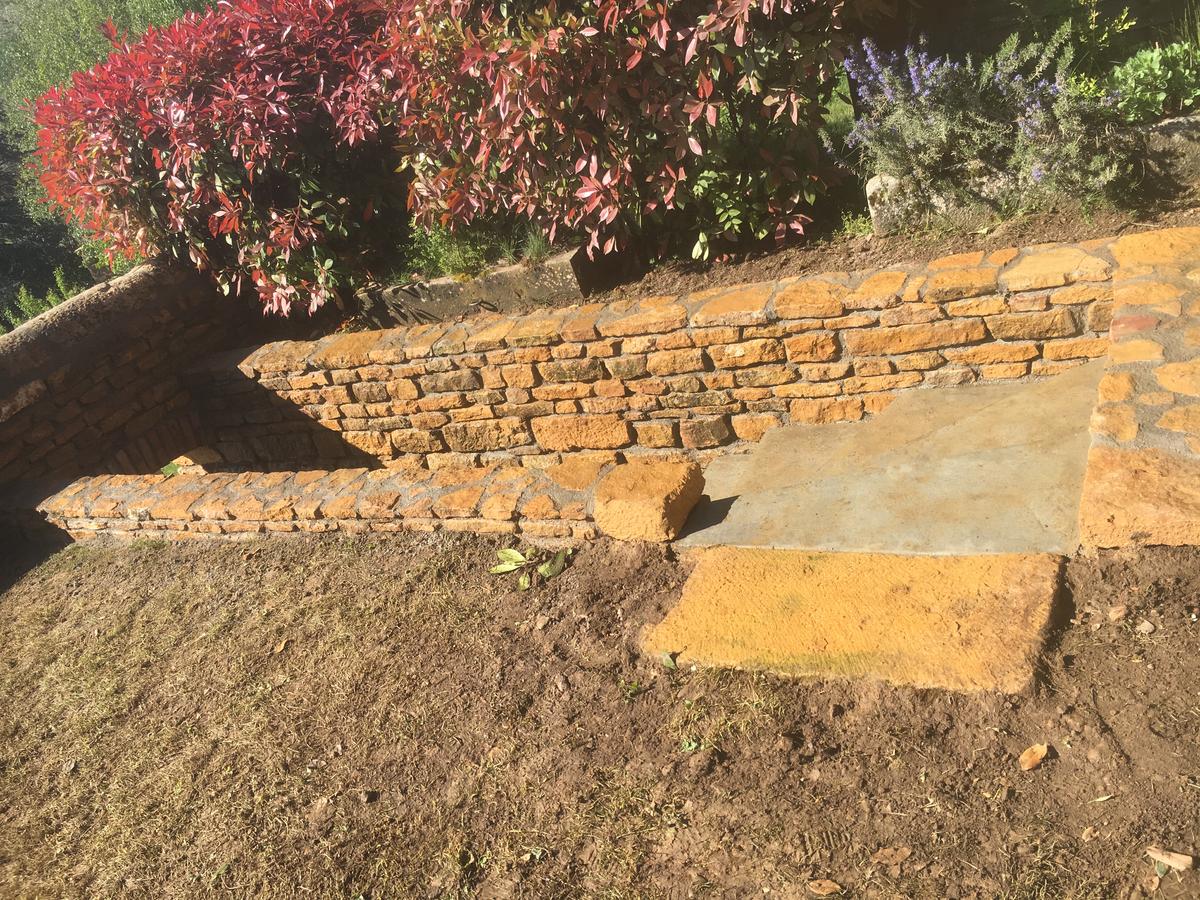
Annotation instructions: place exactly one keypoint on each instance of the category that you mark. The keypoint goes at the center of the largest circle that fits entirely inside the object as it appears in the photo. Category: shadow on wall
(248, 427)
(92, 386)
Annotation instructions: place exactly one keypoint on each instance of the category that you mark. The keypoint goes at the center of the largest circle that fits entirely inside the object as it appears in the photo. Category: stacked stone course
(685, 373)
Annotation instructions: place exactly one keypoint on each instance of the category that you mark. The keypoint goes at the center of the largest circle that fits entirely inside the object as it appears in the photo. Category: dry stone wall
(1143, 477)
(688, 373)
(93, 384)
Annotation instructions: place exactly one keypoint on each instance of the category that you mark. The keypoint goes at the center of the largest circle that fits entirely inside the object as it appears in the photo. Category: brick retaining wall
(660, 374)
(92, 385)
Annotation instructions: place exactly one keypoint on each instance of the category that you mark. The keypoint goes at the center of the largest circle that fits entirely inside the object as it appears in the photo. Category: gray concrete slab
(974, 469)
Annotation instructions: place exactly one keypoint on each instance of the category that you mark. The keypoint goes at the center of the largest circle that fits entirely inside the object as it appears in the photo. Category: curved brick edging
(93, 384)
(665, 373)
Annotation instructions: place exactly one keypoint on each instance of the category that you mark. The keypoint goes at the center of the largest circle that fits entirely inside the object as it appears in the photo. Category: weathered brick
(869, 366)
(911, 314)
(602, 432)
(1003, 371)
(991, 353)
(626, 367)
(812, 347)
(458, 503)
(745, 305)
(1033, 326)
(1054, 268)
(1117, 421)
(747, 353)
(1087, 348)
(536, 330)
(488, 434)
(815, 298)
(881, 383)
(959, 284)
(825, 411)
(910, 338)
(658, 434)
(445, 382)
(572, 370)
(671, 362)
(580, 323)
(765, 376)
(698, 434)
(654, 315)
(880, 290)
(489, 334)
(752, 426)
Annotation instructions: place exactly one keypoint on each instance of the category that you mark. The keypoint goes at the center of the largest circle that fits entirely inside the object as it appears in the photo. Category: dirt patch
(1172, 200)
(385, 719)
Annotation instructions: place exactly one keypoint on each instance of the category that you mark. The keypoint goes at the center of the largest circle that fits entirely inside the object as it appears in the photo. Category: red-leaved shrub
(622, 119)
(265, 138)
(249, 138)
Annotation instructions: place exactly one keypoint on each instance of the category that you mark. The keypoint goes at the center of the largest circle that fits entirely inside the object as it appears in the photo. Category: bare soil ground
(385, 719)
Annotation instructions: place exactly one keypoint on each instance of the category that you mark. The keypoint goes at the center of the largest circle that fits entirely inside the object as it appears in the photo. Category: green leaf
(504, 568)
(525, 581)
(170, 470)
(554, 566)
(512, 556)
(668, 661)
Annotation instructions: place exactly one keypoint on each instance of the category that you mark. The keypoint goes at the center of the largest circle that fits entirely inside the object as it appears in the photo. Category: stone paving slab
(962, 470)
(974, 623)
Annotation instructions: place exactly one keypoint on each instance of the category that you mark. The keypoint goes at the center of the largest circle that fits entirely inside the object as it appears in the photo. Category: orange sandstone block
(745, 305)
(910, 338)
(647, 500)
(809, 299)
(594, 432)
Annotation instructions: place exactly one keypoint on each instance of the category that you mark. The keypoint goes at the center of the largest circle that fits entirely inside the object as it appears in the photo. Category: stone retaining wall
(1143, 476)
(92, 385)
(660, 374)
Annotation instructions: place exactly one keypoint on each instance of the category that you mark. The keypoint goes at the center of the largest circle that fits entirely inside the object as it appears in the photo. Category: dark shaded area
(253, 428)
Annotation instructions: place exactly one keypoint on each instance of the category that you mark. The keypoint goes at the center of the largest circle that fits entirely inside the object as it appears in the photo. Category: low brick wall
(665, 373)
(544, 505)
(92, 385)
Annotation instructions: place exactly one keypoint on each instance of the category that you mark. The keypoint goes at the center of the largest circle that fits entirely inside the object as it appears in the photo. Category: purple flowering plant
(1012, 130)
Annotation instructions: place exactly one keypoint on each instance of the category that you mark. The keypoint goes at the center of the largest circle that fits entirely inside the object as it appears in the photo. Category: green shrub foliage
(1157, 82)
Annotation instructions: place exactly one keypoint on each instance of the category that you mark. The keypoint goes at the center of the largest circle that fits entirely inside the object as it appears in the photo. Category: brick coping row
(549, 505)
(963, 276)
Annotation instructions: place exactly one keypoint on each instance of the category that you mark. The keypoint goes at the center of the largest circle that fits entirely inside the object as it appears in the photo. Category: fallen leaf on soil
(1032, 758)
(320, 812)
(1116, 613)
(823, 887)
(891, 856)
(1180, 861)
(282, 645)
(1090, 833)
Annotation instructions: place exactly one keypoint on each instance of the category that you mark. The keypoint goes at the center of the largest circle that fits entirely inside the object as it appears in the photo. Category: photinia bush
(265, 138)
(623, 120)
(248, 138)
